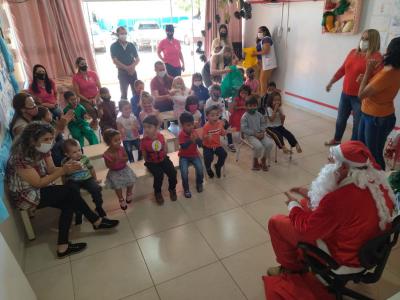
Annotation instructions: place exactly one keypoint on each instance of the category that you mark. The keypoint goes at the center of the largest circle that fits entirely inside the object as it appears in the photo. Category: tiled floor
(212, 246)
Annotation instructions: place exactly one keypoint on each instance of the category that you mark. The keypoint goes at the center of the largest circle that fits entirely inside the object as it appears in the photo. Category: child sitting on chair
(192, 107)
(251, 81)
(82, 179)
(253, 127)
(189, 154)
(153, 148)
(276, 119)
(106, 110)
(147, 106)
(212, 132)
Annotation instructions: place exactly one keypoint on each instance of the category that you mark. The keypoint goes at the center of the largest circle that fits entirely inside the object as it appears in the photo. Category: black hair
(78, 60)
(272, 83)
(252, 100)
(221, 27)
(169, 27)
(186, 117)
(18, 104)
(47, 82)
(31, 134)
(69, 143)
(158, 63)
(215, 87)
(108, 135)
(120, 28)
(103, 90)
(244, 88)
(151, 120)
(271, 97)
(250, 70)
(191, 100)
(68, 94)
(123, 103)
(211, 108)
(42, 111)
(265, 30)
(392, 56)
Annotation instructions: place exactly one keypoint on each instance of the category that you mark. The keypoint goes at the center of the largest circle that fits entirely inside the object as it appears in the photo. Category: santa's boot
(256, 165)
(264, 164)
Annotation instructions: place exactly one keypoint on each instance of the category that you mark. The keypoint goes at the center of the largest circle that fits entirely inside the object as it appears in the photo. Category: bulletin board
(386, 19)
(341, 16)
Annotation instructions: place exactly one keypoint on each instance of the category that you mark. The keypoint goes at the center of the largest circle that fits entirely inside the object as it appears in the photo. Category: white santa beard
(326, 182)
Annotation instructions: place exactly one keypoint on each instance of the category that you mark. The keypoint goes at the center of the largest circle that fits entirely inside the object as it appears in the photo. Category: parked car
(147, 34)
(99, 40)
(185, 34)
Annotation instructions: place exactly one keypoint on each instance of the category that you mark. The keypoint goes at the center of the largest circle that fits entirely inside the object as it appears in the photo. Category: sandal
(129, 198)
(123, 204)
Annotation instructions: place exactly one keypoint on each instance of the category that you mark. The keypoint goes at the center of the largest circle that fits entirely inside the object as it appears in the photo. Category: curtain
(52, 33)
(213, 8)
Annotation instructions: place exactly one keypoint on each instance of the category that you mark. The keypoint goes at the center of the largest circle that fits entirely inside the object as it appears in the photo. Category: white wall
(307, 58)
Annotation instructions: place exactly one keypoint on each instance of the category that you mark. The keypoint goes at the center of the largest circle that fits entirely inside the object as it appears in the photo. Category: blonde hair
(374, 41)
(175, 82)
(145, 96)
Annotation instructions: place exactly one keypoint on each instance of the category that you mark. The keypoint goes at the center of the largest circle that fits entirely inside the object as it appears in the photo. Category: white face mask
(44, 147)
(122, 37)
(197, 83)
(260, 35)
(161, 73)
(364, 45)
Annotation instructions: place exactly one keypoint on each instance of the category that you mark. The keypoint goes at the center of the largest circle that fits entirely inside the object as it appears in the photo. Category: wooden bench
(96, 151)
(138, 167)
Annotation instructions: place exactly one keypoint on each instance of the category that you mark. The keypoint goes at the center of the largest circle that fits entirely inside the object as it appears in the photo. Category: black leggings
(158, 169)
(68, 200)
(281, 132)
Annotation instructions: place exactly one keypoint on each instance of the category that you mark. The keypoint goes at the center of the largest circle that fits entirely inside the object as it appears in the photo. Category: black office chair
(373, 257)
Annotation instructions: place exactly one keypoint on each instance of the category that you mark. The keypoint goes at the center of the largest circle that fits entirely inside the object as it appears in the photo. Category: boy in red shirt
(189, 154)
(212, 132)
(157, 162)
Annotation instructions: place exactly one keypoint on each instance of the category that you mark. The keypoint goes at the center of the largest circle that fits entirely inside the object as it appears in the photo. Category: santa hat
(366, 173)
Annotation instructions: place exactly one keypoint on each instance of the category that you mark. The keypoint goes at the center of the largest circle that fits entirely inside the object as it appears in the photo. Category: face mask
(252, 111)
(215, 96)
(40, 76)
(260, 35)
(161, 74)
(197, 83)
(122, 37)
(83, 68)
(44, 147)
(170, 35)
(223, 34)
(192, 108)
(364, 45)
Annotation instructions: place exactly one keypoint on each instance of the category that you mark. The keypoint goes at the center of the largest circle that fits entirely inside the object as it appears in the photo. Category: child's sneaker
(100, 211)
(256, 165)
(123, 204)
(217, 171)
(210, 173)
(129, 198)
(188, 194)
(264, 165)
(172, 195)
(159, 198)
(232, 148)
(199, 188)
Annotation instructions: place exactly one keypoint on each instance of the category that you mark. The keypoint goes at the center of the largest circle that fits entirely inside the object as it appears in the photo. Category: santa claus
(349, 203)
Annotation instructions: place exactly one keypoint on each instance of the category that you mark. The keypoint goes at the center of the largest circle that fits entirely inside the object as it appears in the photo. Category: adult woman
(219, 63)
(377, 106)
(265, 49)
(30, 174)
(354, 65)
(25, 109)
(44, 91)
(87, 87)
(222, 40)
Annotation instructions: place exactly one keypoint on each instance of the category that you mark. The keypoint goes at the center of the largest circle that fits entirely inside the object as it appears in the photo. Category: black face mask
(83, 68)
(170, 35)
(223, 34)
(40, 76)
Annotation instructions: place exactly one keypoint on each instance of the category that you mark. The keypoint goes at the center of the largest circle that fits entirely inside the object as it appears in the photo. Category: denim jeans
(373, 132)
(128, 145)
(347, 105)
(184, 163)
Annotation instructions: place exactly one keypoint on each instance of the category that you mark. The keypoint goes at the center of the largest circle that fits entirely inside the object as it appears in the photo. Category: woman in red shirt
(352, 69)
(87, 87)
(43, 90)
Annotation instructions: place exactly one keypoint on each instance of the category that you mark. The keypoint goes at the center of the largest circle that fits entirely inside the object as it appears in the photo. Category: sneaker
(199, 188)
(159, 198)
(106, 224)
(256, 165)
(232, 148)
(188, 194)
(72, 249)
(123, 204)
(172, 195)
(210, 173)
(100, 211)
(217, 171)
(78, 218)
(129, 198)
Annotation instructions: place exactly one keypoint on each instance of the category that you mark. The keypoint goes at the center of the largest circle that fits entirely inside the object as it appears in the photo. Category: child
(147, 105)
(192, 107)
(84, 178)
(270, 89)
(138, 89)
(216, 100)
(128, 126)
(276, 119)
(200, 91)
(179, 92)
(157, 162)
(251, 81)
(238, 106)
(107, 112)
(253, 127)
(78, 126)
(119, 175)
(189, 154)
(212, 131)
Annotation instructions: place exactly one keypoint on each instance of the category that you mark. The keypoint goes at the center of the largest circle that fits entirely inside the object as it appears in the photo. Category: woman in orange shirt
(378, 116)
(352, 68)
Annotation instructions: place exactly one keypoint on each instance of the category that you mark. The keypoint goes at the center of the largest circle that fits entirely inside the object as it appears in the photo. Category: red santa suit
(344, 219)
